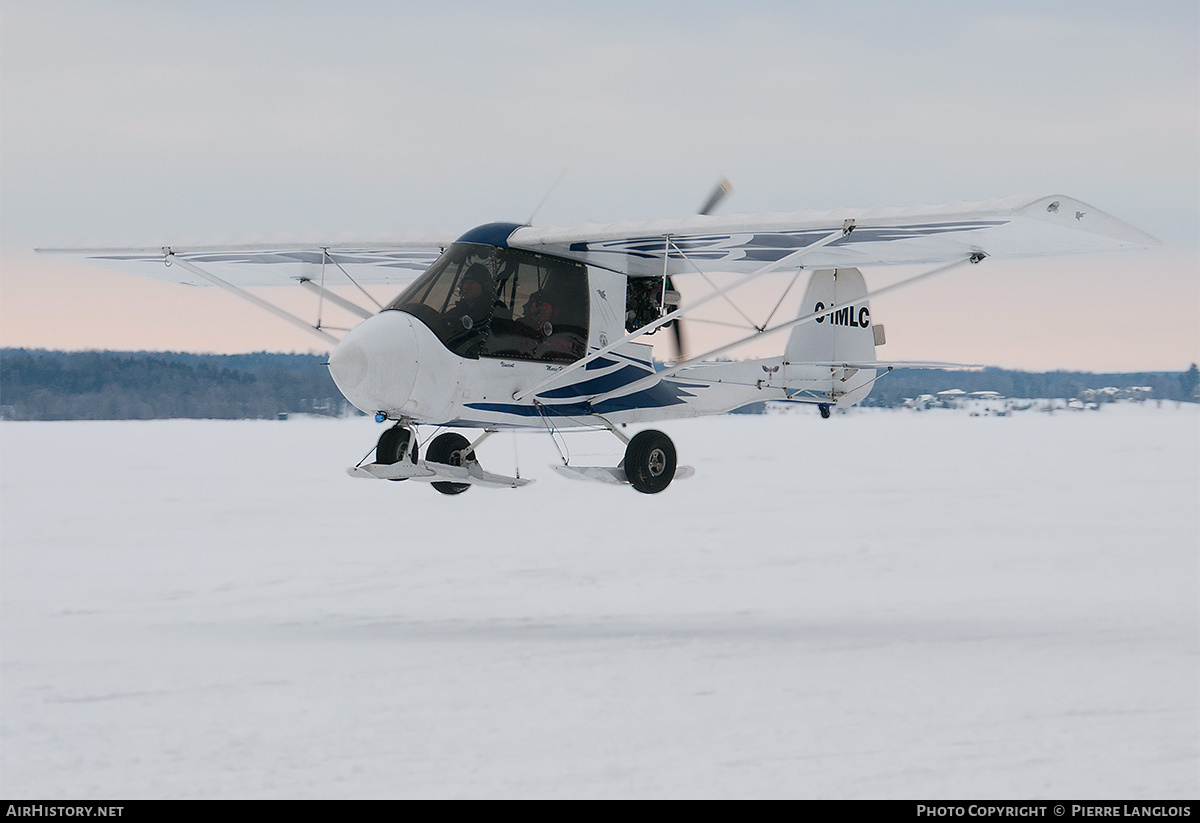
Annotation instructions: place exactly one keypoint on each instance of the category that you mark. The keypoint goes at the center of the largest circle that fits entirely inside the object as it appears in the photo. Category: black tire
(391, 445)
(449, 449)
(650, 461)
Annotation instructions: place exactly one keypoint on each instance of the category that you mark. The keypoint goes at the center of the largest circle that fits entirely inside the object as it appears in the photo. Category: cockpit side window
(455, 297)
(541, 309)
(496, 302)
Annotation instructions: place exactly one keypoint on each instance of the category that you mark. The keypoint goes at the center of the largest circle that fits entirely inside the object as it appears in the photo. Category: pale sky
(151, 123)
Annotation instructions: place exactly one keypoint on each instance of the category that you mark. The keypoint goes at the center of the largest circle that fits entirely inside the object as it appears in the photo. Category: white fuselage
(396, 365)
(392, 363)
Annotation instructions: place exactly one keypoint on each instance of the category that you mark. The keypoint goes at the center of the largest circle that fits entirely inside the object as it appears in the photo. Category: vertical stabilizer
(844, 336)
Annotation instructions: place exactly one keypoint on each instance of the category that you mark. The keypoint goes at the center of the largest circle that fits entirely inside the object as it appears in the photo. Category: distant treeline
(48, 385)
(892, 389)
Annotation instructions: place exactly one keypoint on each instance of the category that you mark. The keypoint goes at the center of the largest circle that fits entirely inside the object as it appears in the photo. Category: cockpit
(488, 301)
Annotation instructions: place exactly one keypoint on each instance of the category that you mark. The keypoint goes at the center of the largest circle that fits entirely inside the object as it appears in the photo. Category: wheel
(391, 447)
(650, 461)
(824, 408)
(449, 449)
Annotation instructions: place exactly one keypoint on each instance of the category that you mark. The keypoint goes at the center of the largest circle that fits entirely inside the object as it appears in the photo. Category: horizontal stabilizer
(889, 365)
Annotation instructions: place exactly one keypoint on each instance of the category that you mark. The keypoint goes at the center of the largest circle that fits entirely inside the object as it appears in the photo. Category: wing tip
(1066, 211)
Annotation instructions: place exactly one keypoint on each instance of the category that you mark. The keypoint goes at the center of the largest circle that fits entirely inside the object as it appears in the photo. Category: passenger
(558, 343)
(539, 315)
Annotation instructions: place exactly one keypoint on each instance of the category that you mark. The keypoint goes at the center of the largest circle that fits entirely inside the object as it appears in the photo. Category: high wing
(395, 263)
(1011, 227)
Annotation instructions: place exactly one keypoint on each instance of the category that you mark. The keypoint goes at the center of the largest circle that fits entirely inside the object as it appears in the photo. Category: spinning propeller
(723, 188)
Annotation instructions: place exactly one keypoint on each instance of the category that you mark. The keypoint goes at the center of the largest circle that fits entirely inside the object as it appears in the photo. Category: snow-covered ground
(884, 604)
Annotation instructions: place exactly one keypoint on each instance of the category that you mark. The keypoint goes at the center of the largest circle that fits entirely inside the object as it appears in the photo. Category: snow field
(884, 604)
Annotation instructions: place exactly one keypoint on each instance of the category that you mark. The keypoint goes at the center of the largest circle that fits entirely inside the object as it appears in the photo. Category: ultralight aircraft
(513, 325)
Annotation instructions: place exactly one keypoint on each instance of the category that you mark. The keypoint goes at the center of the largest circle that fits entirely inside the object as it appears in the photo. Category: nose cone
(375, 365)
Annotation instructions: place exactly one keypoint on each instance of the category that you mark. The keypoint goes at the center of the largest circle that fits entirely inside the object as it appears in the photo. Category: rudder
(846, 335)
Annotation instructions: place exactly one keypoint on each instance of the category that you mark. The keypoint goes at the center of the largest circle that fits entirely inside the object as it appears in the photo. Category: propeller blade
(718, 194)
(677, 327)
(677, 324)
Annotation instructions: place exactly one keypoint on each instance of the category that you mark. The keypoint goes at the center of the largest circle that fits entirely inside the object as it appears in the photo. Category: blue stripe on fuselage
(658, 396)
(598, 385)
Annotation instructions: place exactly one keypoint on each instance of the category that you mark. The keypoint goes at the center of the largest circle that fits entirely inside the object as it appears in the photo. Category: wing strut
(337, 299)
(330, 257)
(669, 316)
(711, 284)
(650, 380)
(170, 258)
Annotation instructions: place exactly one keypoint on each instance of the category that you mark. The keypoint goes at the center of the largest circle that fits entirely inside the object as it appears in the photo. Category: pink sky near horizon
(1022, 314)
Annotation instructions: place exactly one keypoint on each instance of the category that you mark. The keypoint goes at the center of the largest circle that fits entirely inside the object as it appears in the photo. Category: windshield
(493, 302)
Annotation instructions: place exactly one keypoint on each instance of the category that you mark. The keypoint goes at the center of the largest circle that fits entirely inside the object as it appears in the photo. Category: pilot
(474, 297)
